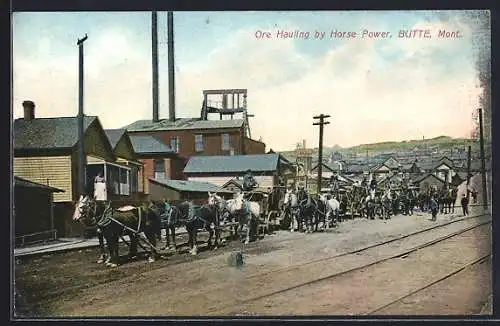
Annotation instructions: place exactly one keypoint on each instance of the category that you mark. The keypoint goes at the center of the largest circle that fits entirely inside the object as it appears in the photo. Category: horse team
(301, 211)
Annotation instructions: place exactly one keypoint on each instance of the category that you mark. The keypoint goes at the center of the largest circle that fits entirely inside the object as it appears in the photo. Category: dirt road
(71, 284)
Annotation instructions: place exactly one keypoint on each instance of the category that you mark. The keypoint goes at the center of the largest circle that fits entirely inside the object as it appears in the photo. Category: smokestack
(171, 66)
(154, 52)
(29, 110)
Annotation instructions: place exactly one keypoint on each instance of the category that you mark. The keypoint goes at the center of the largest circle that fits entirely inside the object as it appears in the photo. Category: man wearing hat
(249, 182)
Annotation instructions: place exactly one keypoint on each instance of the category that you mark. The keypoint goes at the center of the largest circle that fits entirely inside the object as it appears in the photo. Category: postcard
(260, 163)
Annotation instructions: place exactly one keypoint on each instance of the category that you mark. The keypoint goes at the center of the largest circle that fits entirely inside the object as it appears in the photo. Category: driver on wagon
(249, 182)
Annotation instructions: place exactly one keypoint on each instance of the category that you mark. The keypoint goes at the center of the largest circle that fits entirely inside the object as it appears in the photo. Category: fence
(38, 237)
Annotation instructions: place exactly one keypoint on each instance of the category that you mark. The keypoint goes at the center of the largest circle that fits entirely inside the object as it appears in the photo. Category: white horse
(245, 211)
(291, 203)
(332, 208)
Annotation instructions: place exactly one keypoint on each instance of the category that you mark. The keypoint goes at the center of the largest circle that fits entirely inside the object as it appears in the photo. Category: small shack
(33, 211)
(180, 190)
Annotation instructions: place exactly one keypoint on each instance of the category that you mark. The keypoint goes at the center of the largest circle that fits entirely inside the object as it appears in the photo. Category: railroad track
(363, 266)
(447, 276)
(378, 244)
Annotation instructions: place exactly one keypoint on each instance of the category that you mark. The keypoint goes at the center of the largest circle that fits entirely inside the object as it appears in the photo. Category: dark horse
(112, 224)
(171, 219)
(193, 217)
(312, 210)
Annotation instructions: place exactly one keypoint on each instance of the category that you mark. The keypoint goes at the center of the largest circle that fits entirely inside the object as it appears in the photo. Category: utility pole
(483, 163)
(468, 170)
(320, 123)
(81, 135)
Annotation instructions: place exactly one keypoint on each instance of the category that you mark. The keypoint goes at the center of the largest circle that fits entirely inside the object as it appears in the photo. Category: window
(160, 169)
(175, 144)
(124, 182)
(226, 142)
(198, 142)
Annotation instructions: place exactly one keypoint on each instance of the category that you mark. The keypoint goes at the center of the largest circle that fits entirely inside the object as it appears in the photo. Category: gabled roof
(189, 186)
(237, 182)
(232, 164)
(183, 124)
(330, 166)
(114, 136)
(149, 145)
(48, 133)
(420, 179)
(20, 182)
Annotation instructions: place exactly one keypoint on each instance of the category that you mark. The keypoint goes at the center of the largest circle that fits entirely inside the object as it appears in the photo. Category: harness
(107, 218)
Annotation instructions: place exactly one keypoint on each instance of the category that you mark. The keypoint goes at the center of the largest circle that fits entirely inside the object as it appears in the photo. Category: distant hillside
(441, 142)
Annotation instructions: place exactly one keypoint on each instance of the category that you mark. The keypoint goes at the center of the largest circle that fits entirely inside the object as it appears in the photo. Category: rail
(37, 237)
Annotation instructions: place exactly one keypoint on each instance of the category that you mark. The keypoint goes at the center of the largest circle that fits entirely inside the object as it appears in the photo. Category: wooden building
(428, 180)
(33, 214)
(46, 152)
(181, 190)
(196, 137)
(125, 155)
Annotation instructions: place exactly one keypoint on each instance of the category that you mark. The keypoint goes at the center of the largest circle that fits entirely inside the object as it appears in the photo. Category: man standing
(434, 207)
(474, 195)
(465, 204)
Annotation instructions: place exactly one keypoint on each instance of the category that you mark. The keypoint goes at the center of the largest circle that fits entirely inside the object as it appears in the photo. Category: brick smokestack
(29, 110)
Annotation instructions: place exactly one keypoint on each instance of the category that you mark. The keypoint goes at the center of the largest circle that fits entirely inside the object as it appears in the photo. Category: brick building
(196, 137)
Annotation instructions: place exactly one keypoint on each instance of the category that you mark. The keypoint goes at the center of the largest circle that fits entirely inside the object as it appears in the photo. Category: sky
(375, 90)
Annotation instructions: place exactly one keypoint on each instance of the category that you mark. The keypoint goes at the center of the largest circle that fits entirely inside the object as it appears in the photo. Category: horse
(387, 204)
(193, 217)
(247, 213)
(291, 207)
(448, 199)
(307, 209)
(332, 209)
(170, 220)
(368, 204)
(114, 223)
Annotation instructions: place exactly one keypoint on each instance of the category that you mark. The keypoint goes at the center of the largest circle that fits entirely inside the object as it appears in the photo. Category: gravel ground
(71, 284)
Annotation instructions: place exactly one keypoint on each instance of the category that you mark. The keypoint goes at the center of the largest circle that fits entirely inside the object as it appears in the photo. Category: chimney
(29, 110)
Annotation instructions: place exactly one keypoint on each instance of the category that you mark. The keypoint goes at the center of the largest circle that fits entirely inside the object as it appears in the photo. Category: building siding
(158, 192)
(27, 219)
(254, 147)
(54, 171)
(124, 150)
(96, 143)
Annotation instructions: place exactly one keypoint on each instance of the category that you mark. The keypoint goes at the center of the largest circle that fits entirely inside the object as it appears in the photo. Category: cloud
(369, 98)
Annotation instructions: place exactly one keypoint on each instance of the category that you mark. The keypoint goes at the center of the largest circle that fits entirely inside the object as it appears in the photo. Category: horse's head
(85, 210)
(238, 201)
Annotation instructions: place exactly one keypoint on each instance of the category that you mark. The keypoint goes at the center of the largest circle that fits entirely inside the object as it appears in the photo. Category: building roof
(183, 124)
(423, 177)
(234, 181)
(20, 182)
(114, 136)
(189, 186)
(149, 145)
(48, 133)
(235, 163)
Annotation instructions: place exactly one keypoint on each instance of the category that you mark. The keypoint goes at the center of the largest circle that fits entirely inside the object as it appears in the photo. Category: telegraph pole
(468, 170)
(154, 60)
(320, 123)
(483, 163)
(81, 144)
